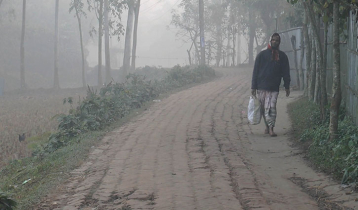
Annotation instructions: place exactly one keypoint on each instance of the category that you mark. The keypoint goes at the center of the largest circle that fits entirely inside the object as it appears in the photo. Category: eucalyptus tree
(106, 42)
(128, 40)
(186, 19)
(56, 77)
(135, 33)
(216, 14)
(97, 7)
(77, 6)
(22, 46)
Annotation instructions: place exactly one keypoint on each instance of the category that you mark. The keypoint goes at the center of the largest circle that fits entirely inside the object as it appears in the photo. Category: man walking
(270, 66)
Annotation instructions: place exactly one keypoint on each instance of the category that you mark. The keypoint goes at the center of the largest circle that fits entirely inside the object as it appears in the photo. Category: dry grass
(30, 112)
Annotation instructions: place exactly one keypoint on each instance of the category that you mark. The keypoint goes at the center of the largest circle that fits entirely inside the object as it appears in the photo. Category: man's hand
(253, 92)
(287, 92)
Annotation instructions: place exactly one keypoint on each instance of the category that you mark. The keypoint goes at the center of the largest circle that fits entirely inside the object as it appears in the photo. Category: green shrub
(115, 101)
(6, 203)
(338, 157)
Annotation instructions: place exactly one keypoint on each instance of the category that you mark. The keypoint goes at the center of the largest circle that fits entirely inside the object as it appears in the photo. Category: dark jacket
(267, 73)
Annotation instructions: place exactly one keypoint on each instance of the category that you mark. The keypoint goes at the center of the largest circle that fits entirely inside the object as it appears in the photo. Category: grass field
(32, 113)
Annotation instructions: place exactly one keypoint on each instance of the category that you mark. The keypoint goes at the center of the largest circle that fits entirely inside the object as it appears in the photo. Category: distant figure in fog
(22, 137)
(270, 66)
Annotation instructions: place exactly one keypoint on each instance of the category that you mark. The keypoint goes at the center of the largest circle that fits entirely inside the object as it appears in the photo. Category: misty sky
(157, 43)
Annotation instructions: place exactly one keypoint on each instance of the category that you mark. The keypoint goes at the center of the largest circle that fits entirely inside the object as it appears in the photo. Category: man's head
(275, 41)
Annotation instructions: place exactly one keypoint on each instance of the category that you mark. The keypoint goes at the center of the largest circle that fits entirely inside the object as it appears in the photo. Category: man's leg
(270, 111)
(262, 97)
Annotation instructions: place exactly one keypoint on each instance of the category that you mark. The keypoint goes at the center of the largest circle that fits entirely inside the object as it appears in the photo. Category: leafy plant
(115, 101)
(6, 203)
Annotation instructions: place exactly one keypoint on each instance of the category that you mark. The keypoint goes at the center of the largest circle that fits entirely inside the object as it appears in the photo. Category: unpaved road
(195, 150)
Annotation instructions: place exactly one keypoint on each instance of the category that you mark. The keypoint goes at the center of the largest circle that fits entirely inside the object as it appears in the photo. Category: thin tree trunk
(233, 46)
(22, 47)
(202, 36)
(313, 71)
(324, 67)
(308, 54)
(251, 37)
(302, 46)
(56, 79)
(316, 29)
(228, 49)
(336, 88)
(82, 49)
(135, 34)
(219, 44)
(106, 40)
(318, 61)
(100, 34)
(128, 41)
(238, 50)
(293, 43)
(189, 56)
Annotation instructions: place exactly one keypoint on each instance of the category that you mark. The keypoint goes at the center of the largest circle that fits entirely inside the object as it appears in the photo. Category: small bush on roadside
(338, 157)
(6, 203)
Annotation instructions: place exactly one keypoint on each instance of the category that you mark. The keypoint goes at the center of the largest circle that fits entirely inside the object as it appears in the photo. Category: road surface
(196, 150)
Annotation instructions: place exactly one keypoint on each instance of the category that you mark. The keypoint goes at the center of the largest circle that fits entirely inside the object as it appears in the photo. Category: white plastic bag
(254, 111)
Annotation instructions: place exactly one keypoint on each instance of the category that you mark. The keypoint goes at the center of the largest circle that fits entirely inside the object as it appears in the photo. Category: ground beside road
(195, 150)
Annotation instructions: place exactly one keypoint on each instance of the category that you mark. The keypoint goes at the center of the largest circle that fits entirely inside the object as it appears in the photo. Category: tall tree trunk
(228, 50)
(100, 34)
(316, 31)
(233, 46)
(22, 47)
(318, 77)
(316, 26)
(128, 41)
(135, 34)
(56, 79)
(324, 67)
(308, 53)
(251, 37)
(313, 71)
(106, 40)
(219, 44)
(238, 50)
(336, 88)
(293, 43)
(82, 49)
(202, 36)
(302, 46)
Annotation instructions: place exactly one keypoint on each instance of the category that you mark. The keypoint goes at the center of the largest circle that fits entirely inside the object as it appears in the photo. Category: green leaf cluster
(6, 203)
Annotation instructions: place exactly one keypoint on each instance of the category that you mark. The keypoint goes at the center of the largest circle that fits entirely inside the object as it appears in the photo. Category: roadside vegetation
(338, 157)
(55, 154)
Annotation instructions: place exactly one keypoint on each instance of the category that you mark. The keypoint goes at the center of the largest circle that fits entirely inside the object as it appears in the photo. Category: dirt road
(195, 150)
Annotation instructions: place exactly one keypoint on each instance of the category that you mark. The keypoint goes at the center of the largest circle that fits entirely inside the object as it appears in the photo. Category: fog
(159, 43)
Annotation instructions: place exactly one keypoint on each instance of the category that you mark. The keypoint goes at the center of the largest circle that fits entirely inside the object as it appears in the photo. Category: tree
(22, 47)
(336, 88)
(106, 40)
(215, 23)
(56, 78)
(308, 52)
(128, 40)
(202, 37)
(188, 23)
(100, 35)
(135, 33)
(77, 6)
